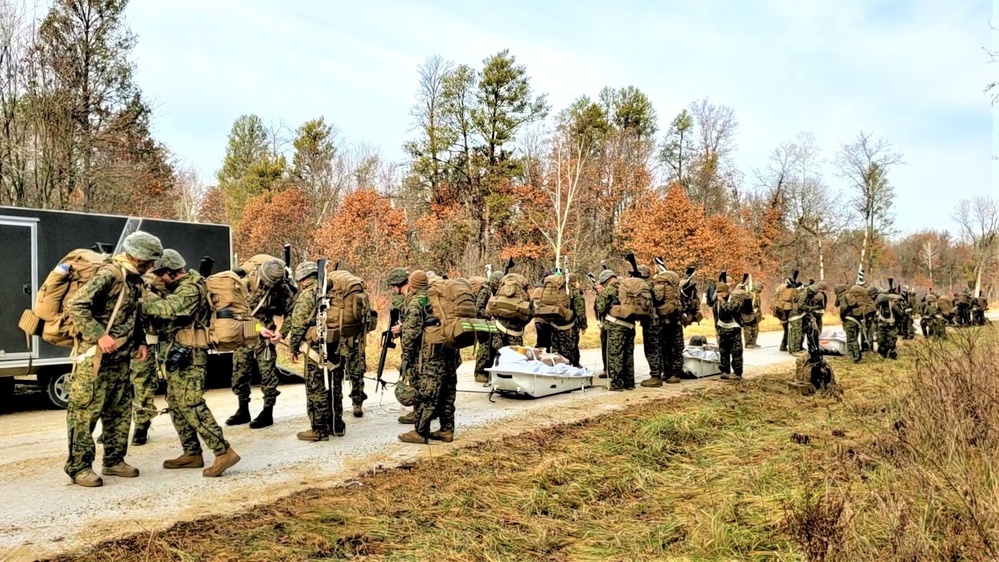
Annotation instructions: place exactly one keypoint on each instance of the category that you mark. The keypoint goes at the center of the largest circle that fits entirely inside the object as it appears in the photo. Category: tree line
(492, 171)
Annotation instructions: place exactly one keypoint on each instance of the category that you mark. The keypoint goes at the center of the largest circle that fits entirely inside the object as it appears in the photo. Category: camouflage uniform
(434, 365)
(794, 333)
(651, 328)
(279, 302)
(183, 308)
(620, 333)
(485, 354)
(818, 305)
(565, 338)
(355, 365)
(726, 313)
(144, 379)
(318, 404)
(671, 345)
(751, 327)
(104, 393)
(888, 313)
(852, 326)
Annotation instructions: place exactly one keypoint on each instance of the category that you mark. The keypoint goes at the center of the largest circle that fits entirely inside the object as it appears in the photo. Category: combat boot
(479, 377)
(264, 419)
(222, 463)
(652, 382)
(312, 436)
(87, 479)
(408, 419)
(241, 416)
(339, 428)
(122, 469)
(413, 437)
(729, 377)
(140, 434)
(358, 412)
(674, 380)
(185, 461)
(446, 436)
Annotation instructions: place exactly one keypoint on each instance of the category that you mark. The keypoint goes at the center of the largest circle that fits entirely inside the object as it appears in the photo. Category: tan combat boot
(185, 461)
(222, 462)
(442, 435)
(358, 411)
(121, 469)
(413, 437)
(87, 479)
(652, 382)
(408, 419)
(312, 436)
(481, 378)
(674, 380)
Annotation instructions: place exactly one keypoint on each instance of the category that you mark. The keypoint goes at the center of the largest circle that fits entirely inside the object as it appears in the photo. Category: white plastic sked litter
(702, 361)
(833, 341)
(531, 372)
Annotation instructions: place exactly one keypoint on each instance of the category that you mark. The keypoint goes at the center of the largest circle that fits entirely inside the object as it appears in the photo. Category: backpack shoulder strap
(119, 275)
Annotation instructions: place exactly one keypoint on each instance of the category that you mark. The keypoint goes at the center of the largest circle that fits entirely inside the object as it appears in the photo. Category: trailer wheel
(57, 390)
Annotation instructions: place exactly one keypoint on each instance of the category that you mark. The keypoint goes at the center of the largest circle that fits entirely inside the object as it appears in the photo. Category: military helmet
(758, 286)
(840, 288)
(305, 269)
(873, 291)
(644, 272)
(605, 276)
(405, 394)
(272, 272)
(495, 278)
(143, 246)
(822, 286)
(397, 277)
(171, 259)
(721, 288)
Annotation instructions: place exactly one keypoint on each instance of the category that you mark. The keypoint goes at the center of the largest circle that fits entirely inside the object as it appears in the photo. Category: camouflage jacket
(482, 298)
(414, 318)
(806, 303)
(93, 304)
(184, 304)
(579, 309)
(280, 300)
(728, 311)
(302, 316)
(607, 299)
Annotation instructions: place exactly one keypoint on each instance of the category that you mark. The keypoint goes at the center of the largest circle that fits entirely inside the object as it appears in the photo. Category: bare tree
(713, 176)
(190, 192)
(430, 151)
(865, 164)
(928, 254)
(978, 219)
(558, 177)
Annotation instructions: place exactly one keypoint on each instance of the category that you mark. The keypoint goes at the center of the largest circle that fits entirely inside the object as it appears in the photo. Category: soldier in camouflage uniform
(795, 335)
(726, 314)
(852, 325)
(650, 332)
(485, 354)
(355, 365)
(105, 314)
(620, 335)
(270, 296)
(181, 315)
(751, 326)
(600, 324)
(318, 402)
(565, 337)
(871, 322)
(818, 304)
(435, 367)
(888, 314)
(398, 280)
(145, 377)
(932, 319)
(907, 329)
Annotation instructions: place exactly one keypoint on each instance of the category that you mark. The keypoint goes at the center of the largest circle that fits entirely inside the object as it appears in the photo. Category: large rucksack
(231, 324)
(784, 302)
(554, 304)
(455, 318)
(477, 283)
(350, 311)
(72, 273)
(511, 301)
(666, 293)
(634, 299)
(946, 305)
(859, 301)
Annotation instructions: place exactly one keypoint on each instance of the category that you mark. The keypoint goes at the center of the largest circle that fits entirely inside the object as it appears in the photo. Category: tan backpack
(946, 305)
(73, 272)
(350, 311)
(784, 302)
(451, 302)
(859, 301)
(666, 293)
(511, 301)
(477, 283)
(231, 325)
(635, 299)
(554, 302)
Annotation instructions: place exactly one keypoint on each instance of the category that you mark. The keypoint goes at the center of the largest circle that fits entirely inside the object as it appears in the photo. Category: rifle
(287, 259)
(745, 277)
(322, 309)
(387, 344)
(508, 266)
(593, 279)
(660, 264)
(792, 281)
(634, 265)
(603, 265)
(205, 267)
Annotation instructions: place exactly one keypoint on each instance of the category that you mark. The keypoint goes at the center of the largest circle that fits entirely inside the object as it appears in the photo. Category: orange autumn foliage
(367, 235)
(213, 207)
(273, 219)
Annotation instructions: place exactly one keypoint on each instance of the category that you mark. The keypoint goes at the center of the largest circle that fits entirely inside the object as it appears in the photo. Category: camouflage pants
(603, 349)
(783, 340)
(794, 336)
(750, 333)
(671, 347)
(355, 365)
(321, 407)
(265, 356)
(485, 356)
(502, 340)
(436, 389)
(650, 344)
(887, 339)
(870, 327)
(853, 336)
(566, 343)
(104, 396)
(730, 348)
(924, 325)
(908, 330)
(144, 382)
(818, 321)
(620, 355)
(188, 411)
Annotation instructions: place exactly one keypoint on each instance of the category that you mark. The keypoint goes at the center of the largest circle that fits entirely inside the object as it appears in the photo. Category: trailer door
(17, 284)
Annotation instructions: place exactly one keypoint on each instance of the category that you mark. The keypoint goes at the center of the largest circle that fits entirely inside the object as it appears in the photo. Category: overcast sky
(911, 71)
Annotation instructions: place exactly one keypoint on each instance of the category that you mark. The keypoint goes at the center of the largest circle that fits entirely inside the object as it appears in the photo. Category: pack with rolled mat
(350, 313)
(554, 303)
(231, 324)
(665, 290)
(454, 321)
(512, 300)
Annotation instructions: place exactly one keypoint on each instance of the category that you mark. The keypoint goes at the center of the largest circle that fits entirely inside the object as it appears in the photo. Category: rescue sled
(526, 371)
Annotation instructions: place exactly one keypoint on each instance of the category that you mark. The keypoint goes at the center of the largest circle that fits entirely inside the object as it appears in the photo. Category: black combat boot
(140, 434)
(339, 428)
(241, 416)
(264, 419)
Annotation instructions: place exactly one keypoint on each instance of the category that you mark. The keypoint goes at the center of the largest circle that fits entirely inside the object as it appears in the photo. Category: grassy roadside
(736, 472)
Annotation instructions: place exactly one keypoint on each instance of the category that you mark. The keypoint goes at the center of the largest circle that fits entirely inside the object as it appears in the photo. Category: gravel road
(44, 514)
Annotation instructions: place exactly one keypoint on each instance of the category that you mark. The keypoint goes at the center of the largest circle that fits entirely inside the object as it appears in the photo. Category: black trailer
(33, 242)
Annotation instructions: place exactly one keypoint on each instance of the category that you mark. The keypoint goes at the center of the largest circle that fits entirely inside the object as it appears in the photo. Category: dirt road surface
(44, 514)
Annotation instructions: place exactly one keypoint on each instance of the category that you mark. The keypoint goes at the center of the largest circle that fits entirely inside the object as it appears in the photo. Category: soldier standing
(620, 335)
(726, 314)
(887, 315)
(751, 322)
(818, 305)
(605, 276)
(269, 296)
(794, 321)
(650, 332)
(398, 280)
(144, 377)
(853, 325)
(485, 354)
(183, 313)
(105, 313)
